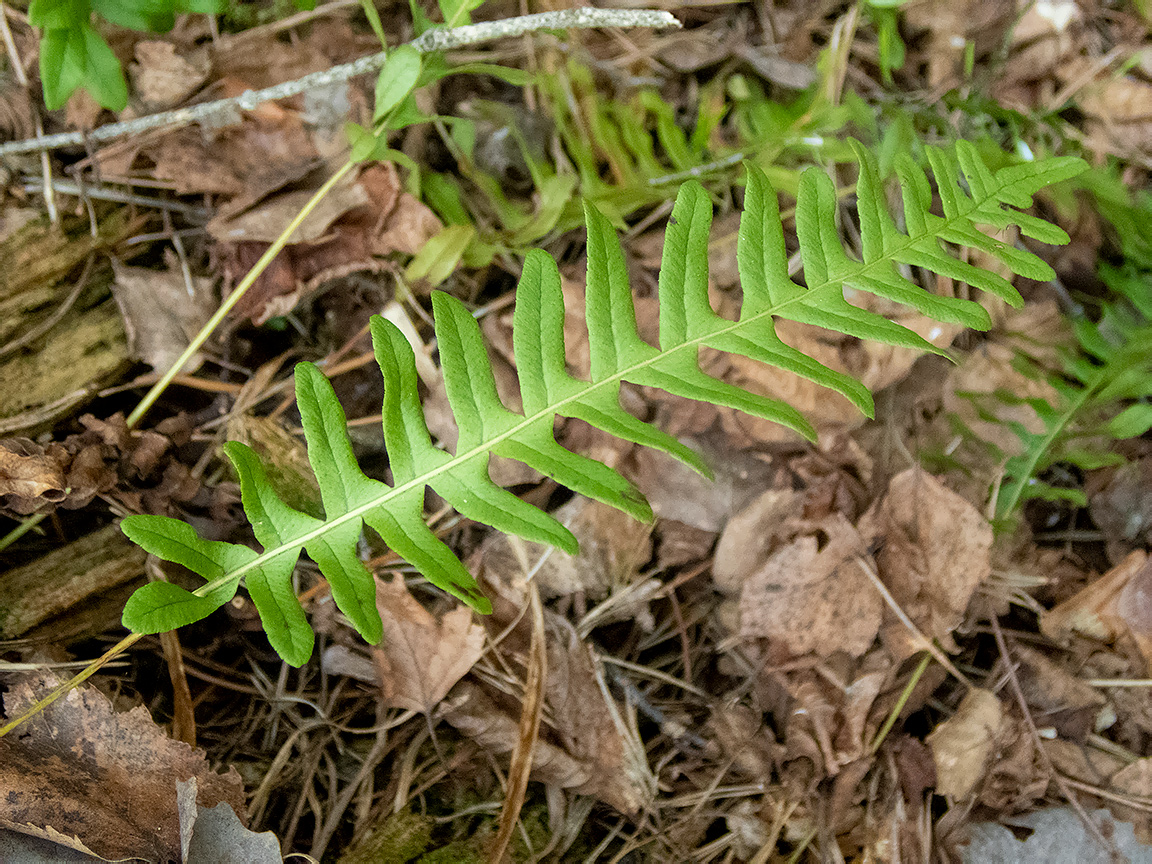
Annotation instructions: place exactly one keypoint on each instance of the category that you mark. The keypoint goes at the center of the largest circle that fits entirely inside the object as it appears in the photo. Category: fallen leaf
(612, 551)
(31, 478)
(214, 834)
(162, 312)
(1118, 604)
(964, 743)
(420, 658)
(752, 534)
(1057, 698)
(935, 549)
(162, 79)
(108, 779)
(812, 595)
(1123, 508)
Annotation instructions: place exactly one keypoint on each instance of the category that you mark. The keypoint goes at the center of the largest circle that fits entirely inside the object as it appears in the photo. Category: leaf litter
(743, 680)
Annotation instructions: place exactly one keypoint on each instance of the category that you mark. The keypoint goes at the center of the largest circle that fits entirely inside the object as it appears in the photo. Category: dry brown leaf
(585, 745)
(1123, 509)
(366, 215)
(108, 779)
(612, 550)
(420, 658)
(162, 79)
(1134, 780)
(1057, 698)
(677, 492)
(1115, 606)
(30, 477)
(162, 312)
(812, 595)
(935, 551)
(963, 744)
(752, 534)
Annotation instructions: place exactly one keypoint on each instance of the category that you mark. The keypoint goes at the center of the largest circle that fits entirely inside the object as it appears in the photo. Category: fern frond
(618, 354)
(1113, 367)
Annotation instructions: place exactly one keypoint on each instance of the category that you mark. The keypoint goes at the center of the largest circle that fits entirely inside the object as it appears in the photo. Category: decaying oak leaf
(813, 595)
(752, 534)
(934, 551)
(963, 744)
(161, 78)
(420, 658)
(107, 779)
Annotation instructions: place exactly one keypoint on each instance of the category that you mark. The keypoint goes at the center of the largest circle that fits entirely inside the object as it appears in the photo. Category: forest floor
(863, 649)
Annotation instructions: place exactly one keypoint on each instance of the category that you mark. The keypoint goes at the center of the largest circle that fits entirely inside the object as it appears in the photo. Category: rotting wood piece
(56, 582)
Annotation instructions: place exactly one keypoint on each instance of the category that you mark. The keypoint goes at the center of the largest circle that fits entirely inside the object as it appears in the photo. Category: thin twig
(432, 40)
(925, 643)
(1057, 777)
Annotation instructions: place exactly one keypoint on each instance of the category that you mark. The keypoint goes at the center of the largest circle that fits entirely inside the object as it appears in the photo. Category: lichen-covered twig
(432, 40)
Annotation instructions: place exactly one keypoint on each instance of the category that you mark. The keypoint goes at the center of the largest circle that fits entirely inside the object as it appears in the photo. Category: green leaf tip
(617, 356)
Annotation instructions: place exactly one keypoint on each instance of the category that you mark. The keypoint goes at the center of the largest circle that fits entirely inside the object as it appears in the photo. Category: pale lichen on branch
(432, 40)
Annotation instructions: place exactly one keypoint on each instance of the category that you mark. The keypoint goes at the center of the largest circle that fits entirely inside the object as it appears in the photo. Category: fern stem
(247, 282)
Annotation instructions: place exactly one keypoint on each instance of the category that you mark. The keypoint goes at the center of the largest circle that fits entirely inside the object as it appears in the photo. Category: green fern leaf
(617, 353)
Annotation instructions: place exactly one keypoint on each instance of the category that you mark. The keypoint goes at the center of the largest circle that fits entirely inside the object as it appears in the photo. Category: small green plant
(687, 324)
(1101, 395)
(73, 54)
(1102, 390)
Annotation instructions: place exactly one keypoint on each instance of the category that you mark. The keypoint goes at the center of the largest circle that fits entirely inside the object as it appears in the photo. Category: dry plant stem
(432, 40)
(928, 645)
(890, 720)
(183, 713)
(531, 712)
(1057, 777)
(90, 670)
(233, 298)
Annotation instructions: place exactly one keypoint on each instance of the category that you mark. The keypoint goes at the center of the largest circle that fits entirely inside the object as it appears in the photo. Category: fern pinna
(618, 354)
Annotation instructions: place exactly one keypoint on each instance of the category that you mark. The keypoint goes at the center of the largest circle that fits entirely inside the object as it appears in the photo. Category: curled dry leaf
(366, 215)
(420, 658)
(963, 744)
(1116, 606)
(934, 551)
(812, 595)
(107, 779)
(1057, 698)
(30, 477)
(585, 747)
(752, 534)
(1123, 508)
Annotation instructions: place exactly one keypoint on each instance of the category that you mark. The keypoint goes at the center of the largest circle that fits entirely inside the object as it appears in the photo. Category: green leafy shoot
(618, 354)
(1101, 394)
(74, 55)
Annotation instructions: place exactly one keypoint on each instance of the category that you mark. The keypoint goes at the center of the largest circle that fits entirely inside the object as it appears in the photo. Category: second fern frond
(618, 354)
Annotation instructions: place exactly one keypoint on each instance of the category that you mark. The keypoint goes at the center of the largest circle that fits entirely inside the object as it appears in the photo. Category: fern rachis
(687, 324)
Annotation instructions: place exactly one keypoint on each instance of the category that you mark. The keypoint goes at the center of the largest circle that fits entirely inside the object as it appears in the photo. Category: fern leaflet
(618, 354)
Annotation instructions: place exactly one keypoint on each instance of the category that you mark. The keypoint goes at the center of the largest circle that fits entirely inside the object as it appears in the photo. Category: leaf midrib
(618, 377)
